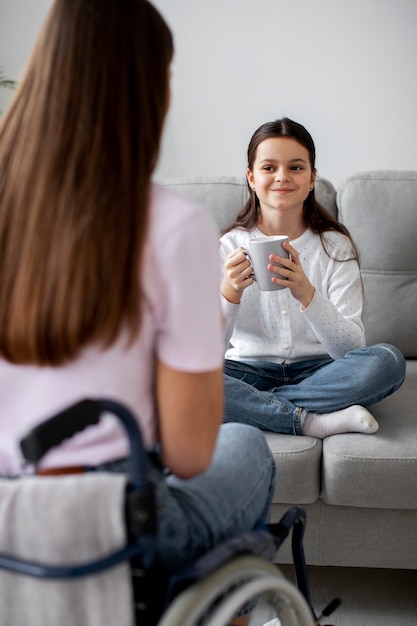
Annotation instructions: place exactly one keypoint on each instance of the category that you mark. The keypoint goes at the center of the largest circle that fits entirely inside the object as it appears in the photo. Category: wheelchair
(80, 587)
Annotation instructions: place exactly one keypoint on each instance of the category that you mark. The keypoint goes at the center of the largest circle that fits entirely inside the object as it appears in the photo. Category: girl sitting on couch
(296, 359)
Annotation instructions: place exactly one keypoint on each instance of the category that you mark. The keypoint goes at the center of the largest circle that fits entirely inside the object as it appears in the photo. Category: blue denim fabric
(277, 397)
(233, 496)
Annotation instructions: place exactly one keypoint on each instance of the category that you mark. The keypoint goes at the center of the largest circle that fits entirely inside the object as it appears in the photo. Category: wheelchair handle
(77, 417)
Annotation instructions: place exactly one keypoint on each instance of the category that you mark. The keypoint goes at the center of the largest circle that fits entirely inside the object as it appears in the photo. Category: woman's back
(181, 241)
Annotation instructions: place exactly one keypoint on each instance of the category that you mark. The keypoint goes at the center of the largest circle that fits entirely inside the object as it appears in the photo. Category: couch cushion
(380, 211)
(223, 196)
(377, 471)
(326, 194)
(295, 457)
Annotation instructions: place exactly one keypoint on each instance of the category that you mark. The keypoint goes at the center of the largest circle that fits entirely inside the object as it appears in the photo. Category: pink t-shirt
(181, 326)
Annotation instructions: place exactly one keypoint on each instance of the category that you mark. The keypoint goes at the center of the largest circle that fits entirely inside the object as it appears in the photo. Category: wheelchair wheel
(246, 581)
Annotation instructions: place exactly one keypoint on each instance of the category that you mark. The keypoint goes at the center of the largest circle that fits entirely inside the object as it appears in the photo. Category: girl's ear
(313, 177)
(249, 176)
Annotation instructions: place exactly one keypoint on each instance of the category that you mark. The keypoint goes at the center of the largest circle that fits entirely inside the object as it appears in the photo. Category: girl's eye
(268, 168)
(296, 168)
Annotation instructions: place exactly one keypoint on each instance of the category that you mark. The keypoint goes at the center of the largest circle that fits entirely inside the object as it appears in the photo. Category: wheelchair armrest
(61, 426)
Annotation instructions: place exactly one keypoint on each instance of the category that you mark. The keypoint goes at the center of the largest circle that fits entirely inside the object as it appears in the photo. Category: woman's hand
(238, 274)
(297, 282)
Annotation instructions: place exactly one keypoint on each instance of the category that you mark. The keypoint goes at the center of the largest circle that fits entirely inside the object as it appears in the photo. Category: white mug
(259, 250)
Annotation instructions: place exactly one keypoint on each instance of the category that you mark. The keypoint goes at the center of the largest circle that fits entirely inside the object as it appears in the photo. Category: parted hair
(78, 146)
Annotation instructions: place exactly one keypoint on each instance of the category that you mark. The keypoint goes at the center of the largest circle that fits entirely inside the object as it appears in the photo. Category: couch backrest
(224, 196)
(380, 210)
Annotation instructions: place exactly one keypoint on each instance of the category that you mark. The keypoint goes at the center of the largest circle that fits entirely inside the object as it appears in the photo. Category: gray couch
(359, 491)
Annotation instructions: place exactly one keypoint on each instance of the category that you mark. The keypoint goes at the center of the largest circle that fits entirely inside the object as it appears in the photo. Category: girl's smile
(282, 176)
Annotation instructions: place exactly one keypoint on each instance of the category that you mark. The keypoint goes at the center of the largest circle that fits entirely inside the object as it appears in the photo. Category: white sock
(353, 419)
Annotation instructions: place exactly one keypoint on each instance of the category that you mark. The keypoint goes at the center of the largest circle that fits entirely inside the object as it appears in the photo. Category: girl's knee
(245, 442)
(389, 352)
(247, 436)
(391, 359)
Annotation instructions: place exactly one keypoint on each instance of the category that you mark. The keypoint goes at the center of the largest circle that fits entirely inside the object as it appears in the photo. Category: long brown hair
(315, 215)
(77, 149)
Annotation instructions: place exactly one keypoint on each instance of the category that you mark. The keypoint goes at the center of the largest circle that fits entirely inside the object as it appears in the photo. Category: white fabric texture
(64, 520)
(270, 325)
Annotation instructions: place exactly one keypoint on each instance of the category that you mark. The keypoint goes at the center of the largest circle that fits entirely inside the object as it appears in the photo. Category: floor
(370, 597)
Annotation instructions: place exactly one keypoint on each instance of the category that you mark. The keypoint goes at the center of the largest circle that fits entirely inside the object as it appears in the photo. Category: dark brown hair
(315, 215)
(77, 149)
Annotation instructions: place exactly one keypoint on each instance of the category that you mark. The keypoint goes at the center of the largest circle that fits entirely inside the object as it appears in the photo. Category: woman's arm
(190, 411)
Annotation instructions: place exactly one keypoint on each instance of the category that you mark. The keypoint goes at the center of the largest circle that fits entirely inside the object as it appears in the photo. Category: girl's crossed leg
(317, 397)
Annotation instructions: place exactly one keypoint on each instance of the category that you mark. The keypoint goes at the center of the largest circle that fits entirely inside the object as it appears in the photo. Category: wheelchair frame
(209, 592)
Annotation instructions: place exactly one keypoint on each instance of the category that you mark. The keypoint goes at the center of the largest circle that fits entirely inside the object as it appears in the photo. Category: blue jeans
(277, 397)
(231, 497)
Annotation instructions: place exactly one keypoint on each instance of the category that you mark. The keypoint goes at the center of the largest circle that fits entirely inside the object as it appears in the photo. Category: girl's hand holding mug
(296, 280)
(238, 274)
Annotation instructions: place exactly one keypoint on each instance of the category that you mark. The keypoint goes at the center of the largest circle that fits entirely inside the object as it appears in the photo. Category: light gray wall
(343, 68)
(20, 21)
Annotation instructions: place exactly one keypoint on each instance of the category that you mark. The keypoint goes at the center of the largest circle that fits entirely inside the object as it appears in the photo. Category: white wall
(20, 21)
(343, 68)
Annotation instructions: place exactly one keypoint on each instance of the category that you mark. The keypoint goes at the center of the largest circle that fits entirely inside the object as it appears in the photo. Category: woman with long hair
(96, 264)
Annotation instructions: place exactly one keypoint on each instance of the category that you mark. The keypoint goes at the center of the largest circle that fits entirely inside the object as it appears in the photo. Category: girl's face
(282, 175)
